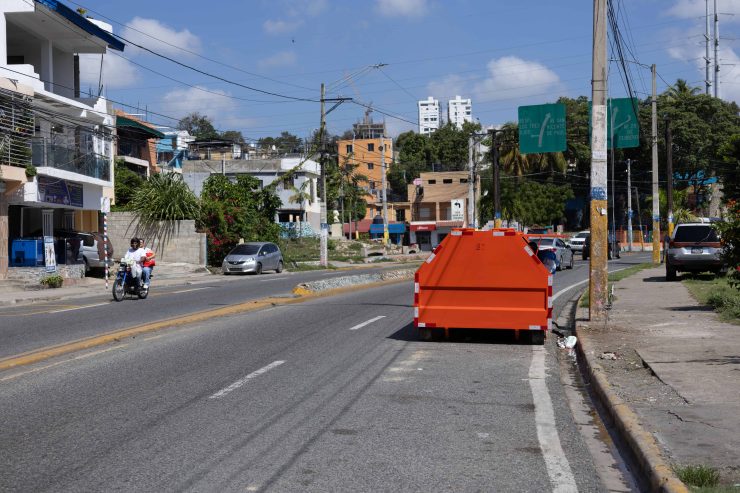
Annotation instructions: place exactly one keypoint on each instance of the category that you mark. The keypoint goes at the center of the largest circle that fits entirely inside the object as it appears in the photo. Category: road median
(303, 292)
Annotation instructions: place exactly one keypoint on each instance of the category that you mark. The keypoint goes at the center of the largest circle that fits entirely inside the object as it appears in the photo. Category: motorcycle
(127, 283)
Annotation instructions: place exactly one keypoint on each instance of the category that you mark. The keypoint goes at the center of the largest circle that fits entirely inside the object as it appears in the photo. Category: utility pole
(324, 238)
(496, 180)
(707, 60)
(629, 203)
(716, 49)
(471, 183)
(669, 172)
(598, 259)
(656, 190)
(384, 192)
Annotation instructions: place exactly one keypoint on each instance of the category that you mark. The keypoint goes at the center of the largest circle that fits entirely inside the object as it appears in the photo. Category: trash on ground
(567, 342)
(608, 355)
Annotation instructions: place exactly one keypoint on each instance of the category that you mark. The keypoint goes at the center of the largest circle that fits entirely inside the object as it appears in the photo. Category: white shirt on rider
(135, 254)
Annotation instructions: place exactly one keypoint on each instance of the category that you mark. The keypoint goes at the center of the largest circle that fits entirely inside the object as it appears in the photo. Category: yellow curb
(38, 355)
(642, 444)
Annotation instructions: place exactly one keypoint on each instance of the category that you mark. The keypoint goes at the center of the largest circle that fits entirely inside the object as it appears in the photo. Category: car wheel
(258, 269)
(279, 267)
(537, 337)
(570, 265)
(670, 272)
(87, 266)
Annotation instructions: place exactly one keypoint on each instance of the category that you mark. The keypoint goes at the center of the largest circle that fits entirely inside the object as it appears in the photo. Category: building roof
(254, 166)
(84, 24)
(123, 121)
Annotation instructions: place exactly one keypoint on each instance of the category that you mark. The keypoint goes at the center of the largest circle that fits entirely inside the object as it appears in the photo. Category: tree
(681, 89)
(126, 184)
(234, 136)
(199, 126)
(236, 210)
(164, 197)
(527, 201)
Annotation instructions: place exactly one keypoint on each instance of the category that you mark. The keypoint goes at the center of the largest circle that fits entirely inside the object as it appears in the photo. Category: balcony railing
(69, 159)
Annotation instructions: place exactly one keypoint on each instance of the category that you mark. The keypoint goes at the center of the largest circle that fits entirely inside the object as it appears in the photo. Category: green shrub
(701, 476)
(31, 171)
(52, 281)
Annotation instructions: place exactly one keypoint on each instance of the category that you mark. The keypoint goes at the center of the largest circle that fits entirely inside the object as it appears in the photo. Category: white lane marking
(241, 382)
(558, 468)
(79, 307)
(568, 288)
(270, 280)
(359, 326)
(186, 290)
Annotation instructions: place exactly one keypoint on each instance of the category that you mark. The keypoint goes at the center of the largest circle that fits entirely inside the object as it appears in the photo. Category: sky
(500, 54)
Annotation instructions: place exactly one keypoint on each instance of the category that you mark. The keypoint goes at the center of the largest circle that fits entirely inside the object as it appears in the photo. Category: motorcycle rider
(135, 253)
(147, 263)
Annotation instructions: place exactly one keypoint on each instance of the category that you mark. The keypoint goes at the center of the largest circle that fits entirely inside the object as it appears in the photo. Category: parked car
(563, 253)
(577, 240)
(93, 251)
(254, 257)
(615, 247)
(694, 247)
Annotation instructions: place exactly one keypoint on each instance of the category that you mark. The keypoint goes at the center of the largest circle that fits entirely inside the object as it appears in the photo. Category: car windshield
(245, 250)
(581, 235)
(696, 233)
(545, 242)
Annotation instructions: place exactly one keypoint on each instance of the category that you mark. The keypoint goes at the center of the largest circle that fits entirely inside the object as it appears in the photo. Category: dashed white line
(79, 308)
(368, 322)
(242, 381)
(186, 290)
(558, 468)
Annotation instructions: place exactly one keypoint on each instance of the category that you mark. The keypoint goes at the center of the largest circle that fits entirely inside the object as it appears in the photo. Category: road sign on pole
(624, 127)
(542, 128)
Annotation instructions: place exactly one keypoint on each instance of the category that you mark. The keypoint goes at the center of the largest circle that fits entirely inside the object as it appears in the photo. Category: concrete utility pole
(656, 189)
(384, 192)
(496, 181)
(471, 183)
(629, 204)
(598, 267)
(324, 238)
(669, 173)
(716, 50)
(707, 59)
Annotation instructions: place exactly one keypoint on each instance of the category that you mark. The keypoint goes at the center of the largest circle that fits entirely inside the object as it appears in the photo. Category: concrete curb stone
(645, 451)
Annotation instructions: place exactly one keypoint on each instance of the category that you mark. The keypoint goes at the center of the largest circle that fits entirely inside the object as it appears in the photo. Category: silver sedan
(562, 251)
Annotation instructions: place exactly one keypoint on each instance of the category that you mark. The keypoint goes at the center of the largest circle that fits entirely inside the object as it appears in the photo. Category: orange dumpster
(483, 280)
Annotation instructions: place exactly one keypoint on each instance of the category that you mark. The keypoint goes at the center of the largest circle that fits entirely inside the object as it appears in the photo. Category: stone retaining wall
(175, 241)
(32, 275)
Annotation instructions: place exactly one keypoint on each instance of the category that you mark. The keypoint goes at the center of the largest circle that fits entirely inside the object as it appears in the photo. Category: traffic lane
(357, 404)
(42, 325)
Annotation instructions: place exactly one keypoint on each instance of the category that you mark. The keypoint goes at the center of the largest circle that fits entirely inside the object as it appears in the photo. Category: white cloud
(167, 40)
(281, 26)
(695, 9)
(402, 8)
(447, 88)
(117, 72)
(180, 102)
(280, 59)
(512, 77)
(729, 68)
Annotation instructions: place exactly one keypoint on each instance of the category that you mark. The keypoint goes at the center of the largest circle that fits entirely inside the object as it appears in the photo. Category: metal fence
(70, 159)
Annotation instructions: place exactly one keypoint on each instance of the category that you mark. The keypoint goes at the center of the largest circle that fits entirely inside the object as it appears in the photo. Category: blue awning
(393, 228)
(83, 23)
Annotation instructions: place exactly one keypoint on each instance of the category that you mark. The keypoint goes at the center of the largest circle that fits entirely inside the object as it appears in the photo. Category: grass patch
(717, 293)
(615, 277)
(698, 476)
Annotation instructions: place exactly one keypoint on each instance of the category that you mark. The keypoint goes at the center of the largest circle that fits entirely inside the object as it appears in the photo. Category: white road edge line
(568, 288)
(188, 290)
(359, 326)
(558, 468)
(241, 382)
(79, 308)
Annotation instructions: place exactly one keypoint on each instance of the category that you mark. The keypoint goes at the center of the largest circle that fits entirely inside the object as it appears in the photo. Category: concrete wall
(175, 242)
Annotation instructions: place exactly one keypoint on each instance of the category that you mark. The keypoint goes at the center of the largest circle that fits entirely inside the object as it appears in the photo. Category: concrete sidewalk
(677, 367)
(165, 274)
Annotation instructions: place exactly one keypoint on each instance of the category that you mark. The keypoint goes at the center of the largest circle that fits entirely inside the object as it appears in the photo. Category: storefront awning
(122, 121)
(423, 226)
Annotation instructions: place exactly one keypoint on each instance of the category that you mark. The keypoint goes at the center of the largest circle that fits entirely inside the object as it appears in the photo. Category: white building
(459, 111)
(428, 116)
(56, 142)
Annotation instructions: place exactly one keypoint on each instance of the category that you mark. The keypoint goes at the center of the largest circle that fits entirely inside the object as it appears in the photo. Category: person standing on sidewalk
(147, 263)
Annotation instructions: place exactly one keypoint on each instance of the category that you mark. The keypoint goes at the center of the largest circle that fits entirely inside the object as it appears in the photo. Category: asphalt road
(31, 327)
(335, 394)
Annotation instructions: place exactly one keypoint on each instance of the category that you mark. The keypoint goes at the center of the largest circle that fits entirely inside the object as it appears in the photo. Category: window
(432, 182)
(447, 181)
(370, 166)
(311, 188)
(463, 180)
(289, 181)
(370, 147)
(349, 148)
(372, 185)
(425, 212)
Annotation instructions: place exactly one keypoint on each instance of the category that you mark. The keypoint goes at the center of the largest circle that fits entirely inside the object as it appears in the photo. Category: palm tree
(682, 89)
(512, 161)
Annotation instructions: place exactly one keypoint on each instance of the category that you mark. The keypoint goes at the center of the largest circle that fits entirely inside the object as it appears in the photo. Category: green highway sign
(623, 124)
(542, 128)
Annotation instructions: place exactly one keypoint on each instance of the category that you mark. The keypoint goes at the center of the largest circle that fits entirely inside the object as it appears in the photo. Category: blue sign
(58, 191)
